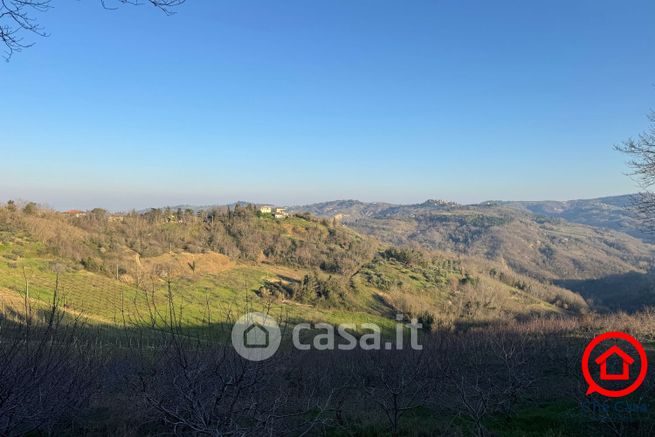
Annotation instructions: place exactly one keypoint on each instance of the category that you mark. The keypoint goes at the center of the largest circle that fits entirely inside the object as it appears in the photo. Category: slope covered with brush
(115, 269)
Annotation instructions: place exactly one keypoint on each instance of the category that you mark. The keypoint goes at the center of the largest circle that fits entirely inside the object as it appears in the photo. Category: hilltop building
(75, 213)
(280, 213)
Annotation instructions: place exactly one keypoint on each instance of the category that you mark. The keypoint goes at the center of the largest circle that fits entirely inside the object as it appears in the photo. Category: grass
(221, 289)
(200, 299)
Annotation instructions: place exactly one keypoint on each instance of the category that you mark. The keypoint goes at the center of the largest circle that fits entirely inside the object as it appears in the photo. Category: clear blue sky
(302, 101)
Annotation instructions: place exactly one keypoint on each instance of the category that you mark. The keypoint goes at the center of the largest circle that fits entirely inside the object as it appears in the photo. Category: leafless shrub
(47, 371)
(394, 381)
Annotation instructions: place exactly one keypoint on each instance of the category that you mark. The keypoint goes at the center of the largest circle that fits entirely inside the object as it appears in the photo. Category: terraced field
(201, 299)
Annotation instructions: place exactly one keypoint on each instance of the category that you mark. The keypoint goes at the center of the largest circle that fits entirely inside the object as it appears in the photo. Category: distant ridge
(610, 212)
(614, 212)
(551, 240)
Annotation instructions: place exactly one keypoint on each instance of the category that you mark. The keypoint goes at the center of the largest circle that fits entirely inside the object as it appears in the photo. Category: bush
(427, 319)
(30, 208)
(92, 264)
(469, 280)
(407, 257)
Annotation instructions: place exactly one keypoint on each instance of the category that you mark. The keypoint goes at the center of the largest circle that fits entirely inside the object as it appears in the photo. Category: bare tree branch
(642, 162)
(17, 17)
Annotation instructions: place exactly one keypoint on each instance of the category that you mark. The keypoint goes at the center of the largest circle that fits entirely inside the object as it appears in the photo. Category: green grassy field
(200, 300)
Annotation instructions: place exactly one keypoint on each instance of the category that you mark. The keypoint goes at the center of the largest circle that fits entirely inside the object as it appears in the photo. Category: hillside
(115, 270)
(352, 210)
(616, 213)
(542, 247)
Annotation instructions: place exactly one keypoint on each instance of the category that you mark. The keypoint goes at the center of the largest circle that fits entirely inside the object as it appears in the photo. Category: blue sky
(302, 101)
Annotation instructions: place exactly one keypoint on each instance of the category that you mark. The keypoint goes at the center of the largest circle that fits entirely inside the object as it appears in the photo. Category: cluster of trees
(99, 243)
(312, 289)
(409, 257)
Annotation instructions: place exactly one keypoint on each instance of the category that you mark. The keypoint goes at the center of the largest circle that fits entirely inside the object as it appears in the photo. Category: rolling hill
(616, 213)
(119, 271)
(567, 243)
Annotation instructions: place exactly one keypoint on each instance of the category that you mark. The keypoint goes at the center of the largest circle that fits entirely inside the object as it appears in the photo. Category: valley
(542, 240)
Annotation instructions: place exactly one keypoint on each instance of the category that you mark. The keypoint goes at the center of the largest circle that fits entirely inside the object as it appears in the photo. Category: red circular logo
(626, 360)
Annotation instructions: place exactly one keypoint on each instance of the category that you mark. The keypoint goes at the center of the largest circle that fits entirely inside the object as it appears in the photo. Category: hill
(547, 248)
(119, 269)
(616, 213)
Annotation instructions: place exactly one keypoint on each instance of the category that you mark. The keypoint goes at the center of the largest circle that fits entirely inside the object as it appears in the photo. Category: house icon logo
(256, 336)
(626, 362)
(630, 359)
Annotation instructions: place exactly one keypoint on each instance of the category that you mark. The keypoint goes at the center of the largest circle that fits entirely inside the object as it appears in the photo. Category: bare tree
(192, 385)
(642, 162)
(397, 382)
(48, 370)
(18, 17)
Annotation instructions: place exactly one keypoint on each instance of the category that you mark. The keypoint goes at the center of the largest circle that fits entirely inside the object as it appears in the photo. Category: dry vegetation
(542, 247)
(301, 259)
(119, 327)
(494, 379)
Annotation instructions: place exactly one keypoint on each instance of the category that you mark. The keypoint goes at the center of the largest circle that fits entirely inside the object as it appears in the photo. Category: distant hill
(351, 210)
(530, 237)
(616, 213)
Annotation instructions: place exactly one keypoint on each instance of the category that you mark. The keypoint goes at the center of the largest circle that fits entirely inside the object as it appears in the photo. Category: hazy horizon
(144, 206)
